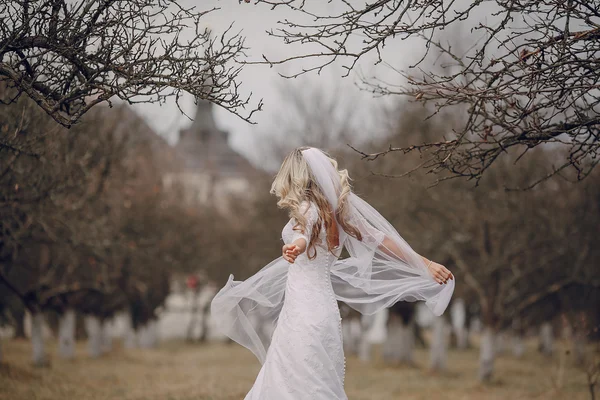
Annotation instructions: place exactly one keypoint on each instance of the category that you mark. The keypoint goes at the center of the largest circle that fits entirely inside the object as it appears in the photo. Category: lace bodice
(289, 235)
(370, 236)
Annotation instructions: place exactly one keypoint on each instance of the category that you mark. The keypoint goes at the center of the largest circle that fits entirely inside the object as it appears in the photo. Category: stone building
(211, 172)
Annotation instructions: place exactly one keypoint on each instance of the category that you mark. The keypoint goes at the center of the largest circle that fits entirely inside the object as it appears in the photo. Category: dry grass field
(177, 371)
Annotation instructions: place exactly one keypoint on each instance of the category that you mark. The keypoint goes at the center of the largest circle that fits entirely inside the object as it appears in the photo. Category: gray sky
(264, 82)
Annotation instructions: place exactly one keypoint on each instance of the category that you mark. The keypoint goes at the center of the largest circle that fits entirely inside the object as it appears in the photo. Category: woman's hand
(440, 273)
(290, 252)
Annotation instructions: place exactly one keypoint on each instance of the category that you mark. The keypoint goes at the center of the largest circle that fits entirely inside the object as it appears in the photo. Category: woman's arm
(301, 239)
(440, 273)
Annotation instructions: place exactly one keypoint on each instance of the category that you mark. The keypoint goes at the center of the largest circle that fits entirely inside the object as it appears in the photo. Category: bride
(297, 294)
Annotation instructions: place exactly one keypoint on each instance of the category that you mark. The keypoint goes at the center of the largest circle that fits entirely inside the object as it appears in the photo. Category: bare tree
(85, 227)
(71, 55)
(530, 78)
(400, 336)
(516, 254)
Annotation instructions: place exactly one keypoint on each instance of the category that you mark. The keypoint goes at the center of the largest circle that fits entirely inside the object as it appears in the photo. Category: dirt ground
(179, 371)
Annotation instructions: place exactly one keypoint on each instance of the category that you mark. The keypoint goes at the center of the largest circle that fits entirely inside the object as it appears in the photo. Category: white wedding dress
(306, 359)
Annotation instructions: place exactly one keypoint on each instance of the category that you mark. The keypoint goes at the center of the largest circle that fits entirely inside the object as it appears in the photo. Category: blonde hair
(295, 184)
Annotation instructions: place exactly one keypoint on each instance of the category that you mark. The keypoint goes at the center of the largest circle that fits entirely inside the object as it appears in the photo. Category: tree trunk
(518, 345)
(546, 339)
(37, 339)
(144, 336)
(106, 337)
(93, 328)
(458, 315)
(439, 345)
(518, 331)
(19, 316)
(364, 348)
(579, 341)
(364, 345)
(205, 322)
(148, 335)
(500, 343)
(487, 354)
(66, 334)
(153, 333)
(0, 350)
(352, 334)
(80, 333)
(129, 334)
(400, 342)
(195, 296)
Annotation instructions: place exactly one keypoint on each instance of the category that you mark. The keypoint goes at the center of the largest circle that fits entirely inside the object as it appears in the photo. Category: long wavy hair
(295, 184)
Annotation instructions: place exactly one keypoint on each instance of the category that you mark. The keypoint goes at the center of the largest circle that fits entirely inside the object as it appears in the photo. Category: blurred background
(116, 234)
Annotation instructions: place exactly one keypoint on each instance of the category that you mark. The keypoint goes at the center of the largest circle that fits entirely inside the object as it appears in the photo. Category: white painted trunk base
(66, 334)
(500, 343)
(579, 348)
(37, 340)
(93, 328)
(438, 352)
(487, 354)
(518, 345)
(373, 329)
(129, 334)
(546, 339)
(148, 335)
(106, 337)
(400, 342)
(458, 316)
(352, 335)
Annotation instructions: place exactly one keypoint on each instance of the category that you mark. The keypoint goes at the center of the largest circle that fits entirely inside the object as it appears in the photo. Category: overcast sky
(265, 83)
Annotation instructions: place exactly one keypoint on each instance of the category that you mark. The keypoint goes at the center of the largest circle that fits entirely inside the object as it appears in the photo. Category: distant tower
(213, 172)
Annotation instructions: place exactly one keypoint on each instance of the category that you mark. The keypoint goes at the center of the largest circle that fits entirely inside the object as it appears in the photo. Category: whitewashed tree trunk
(192, 324)
(408, 343)
(518, 345)
(364, 348)
(367, 323)
(153, 333)
(579, 342)
(546, 339)
(93, 327)
(143, 336)
(400, 342)
(438, 353)
(500, 344)
(129, 335)
(518, 331)
(148, 334)
(66, 334)
(487, 354)
(37, 340)
(204, 322)
(475, 326)
(352, 334)
(106, 337)
(458, 315)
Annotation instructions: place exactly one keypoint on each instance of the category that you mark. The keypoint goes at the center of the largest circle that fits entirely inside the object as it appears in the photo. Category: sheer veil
(372, 278)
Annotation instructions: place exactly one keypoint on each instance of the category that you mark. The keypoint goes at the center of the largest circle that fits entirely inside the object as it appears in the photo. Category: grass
(178, 371)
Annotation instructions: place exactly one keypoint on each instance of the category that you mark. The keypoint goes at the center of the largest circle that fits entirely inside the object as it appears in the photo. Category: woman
(297, 294)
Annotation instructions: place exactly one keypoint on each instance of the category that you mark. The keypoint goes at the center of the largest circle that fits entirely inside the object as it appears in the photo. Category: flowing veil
(372, 278)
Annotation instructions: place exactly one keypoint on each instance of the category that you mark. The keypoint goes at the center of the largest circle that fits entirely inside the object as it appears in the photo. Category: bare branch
(69, 56)
(531, 78)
